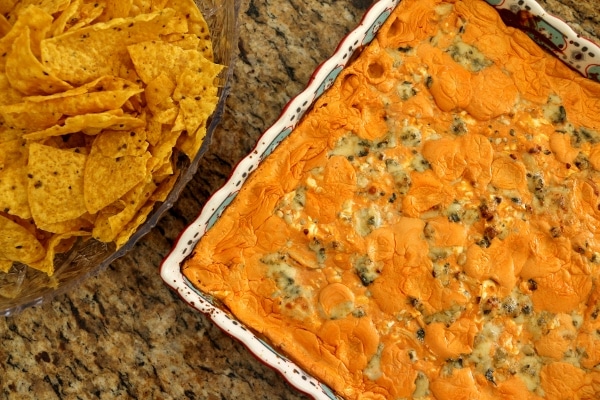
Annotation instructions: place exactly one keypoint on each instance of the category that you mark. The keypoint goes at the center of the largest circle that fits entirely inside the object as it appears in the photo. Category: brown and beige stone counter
(123, 334)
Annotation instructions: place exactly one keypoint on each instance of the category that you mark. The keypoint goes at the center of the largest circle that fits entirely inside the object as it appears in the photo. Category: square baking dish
(549, 32)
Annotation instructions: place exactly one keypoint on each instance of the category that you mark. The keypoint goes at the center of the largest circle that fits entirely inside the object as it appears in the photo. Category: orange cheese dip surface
(430, 229)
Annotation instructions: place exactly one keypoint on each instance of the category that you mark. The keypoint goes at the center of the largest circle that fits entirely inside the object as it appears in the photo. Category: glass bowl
(23, 287)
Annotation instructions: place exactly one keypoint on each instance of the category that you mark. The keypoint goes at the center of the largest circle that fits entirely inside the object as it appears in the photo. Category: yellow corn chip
(122, 174)
(154, 130)
(179, 124)
(55, 188)
(13, 178)
(85, 54)
(85, 103)
(198, 81)
(30, 122)
(91, 124)
(196, 23)
(8, 133)
(33, 18)
(196, 94)
(86, 14)
(6, 265)
(7, 5)
(17, 243)
(8, 94)
(59, 25)
(140, 7)
(26, 74)
(128, 230)
(158, 94)
(163, 149)
(168, 116)
(55, 245)
(117, 144)
(13, 191)
(116, 9)
(151, 59)
(102, 230)
(163, 172)
(159, 4)
(48, 6)
(196, 114)
(13, 198)
(83, 223)
(13, 152)
(104, 83)
(5, 26)
(164, 189)
(134, 200)
(184, 40)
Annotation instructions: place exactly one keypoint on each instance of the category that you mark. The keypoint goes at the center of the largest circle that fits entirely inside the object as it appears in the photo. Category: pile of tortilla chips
(97, 99)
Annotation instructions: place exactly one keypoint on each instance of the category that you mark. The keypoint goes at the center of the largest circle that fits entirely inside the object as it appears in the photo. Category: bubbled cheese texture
(430, 229)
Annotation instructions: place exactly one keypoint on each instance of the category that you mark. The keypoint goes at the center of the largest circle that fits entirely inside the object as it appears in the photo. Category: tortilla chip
(5, 26)
(91, 124)
(6, 265)
(55, 245)
(154, 130)
(128, 230)
(85, 54)
(83, 223)
(123, 173)
(103, 83)
(184, 40)
(30, 122)
(140, 7)
(37, 21)
(158, 94)
(110, 223)
(55, 188)
(153, 58)
(8, 133)
(8, 94)
(86, 14)
(198, 80)
(164, 189)
(7, 5)
(102, 230)
(13, 195)
(115, 9)
(26, 74)
(163, 149)
(59, 25)
(196, 93)
(196, 24)
(13, 152)
(13, 178)
(133, 200)
(17, 243)
(48, 6)
(115, 144)
(86, 103)
(158, 4)
(195, 114)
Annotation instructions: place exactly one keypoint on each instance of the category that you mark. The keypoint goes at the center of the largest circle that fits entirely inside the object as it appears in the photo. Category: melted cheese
(430, 227)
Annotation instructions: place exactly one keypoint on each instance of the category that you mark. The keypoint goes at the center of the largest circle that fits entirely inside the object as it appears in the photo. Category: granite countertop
(123, 333)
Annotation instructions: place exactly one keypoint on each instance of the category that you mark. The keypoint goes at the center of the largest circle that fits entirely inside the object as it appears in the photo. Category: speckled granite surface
(123, 334)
